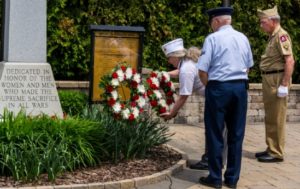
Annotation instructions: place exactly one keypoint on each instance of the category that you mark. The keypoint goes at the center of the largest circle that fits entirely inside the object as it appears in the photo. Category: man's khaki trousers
(275, 114)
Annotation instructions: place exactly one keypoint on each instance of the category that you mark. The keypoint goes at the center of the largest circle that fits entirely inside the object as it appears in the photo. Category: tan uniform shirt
(278, 46)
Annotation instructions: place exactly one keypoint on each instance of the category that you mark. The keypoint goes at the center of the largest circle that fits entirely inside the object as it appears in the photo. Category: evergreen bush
(69, 43)
(72, 102)
(163, 20)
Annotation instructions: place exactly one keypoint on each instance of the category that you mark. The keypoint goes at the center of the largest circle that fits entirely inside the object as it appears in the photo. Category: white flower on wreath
(115, 82)
(166, 75)
(114, 94)
(120, 75)
(162, 102)
(172, 87)
(155, 81)
(128, 73)
(141, 101)
(141, 88)
(117, 107)
(125, 113)
(135, 111)
(174, 96)
(157, 94)
(137, 78)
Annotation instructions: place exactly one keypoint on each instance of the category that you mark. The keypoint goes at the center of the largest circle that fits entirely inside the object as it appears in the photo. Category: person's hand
(282, 91)
(166, 116)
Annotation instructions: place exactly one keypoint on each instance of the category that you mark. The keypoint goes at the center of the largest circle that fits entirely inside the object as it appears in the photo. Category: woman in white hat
(185, 62)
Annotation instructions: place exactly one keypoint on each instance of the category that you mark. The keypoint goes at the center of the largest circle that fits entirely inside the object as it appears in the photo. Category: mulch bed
(157, 159)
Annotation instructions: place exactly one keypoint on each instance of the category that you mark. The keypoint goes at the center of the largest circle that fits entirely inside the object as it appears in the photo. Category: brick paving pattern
(254, 175)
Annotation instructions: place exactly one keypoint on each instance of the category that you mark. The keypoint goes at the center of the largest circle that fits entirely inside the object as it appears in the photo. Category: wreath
(156, 81)
(123, 75)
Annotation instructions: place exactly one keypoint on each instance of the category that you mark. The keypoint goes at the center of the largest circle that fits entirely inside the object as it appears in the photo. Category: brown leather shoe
(269, 159)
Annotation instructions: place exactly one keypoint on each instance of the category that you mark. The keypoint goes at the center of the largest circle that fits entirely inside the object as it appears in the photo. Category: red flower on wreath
(170, 101)
(123, 68)
(169, 93)
(149, 92)
(153, 103)
(156, 81)
(114, 75)
(131, 117)
(109, 89)
(111, 102)
(162, 110)
(134, 84)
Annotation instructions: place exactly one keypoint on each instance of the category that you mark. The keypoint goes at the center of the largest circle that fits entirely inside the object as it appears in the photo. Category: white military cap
(173, 46)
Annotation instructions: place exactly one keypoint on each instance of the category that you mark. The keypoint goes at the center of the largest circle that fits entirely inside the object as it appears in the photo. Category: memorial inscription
(29, 88)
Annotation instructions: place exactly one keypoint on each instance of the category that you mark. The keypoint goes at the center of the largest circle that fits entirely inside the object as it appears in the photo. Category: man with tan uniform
(277, 64)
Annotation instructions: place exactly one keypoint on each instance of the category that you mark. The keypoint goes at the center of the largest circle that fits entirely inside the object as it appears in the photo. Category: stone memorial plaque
(30, 87)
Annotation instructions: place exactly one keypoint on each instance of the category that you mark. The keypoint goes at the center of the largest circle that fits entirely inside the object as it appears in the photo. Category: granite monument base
(28, 86)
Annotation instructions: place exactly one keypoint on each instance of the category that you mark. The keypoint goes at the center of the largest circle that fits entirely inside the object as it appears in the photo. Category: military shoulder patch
(283, 38)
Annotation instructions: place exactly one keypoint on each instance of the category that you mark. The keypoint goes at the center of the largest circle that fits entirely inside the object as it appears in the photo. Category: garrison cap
(219, 11)
(267, 13)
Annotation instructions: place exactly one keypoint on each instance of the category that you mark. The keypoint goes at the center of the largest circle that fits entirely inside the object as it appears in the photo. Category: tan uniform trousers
(275, 114)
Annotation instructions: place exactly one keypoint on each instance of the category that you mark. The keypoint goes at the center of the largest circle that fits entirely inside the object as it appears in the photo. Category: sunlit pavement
(254, 175)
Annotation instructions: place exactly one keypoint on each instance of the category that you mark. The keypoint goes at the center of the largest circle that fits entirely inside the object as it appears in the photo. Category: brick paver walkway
(254, 175)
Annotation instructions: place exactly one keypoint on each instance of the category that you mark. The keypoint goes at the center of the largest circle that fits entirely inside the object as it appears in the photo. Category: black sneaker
(204, 157)
(205, 181)
(260, 154)
(229, 185)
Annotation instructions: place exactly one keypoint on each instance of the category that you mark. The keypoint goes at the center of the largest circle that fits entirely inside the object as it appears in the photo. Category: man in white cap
(276, 65)
(223, 67)
(185, 62)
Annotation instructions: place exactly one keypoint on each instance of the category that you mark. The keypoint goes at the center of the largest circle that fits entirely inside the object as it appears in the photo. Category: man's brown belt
(271, 72)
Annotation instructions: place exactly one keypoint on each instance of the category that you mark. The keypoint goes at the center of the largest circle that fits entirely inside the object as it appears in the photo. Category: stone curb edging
(127, 183)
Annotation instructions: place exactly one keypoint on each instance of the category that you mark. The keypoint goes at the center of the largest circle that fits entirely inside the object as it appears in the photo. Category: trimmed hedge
(163, 20)
(73, 102)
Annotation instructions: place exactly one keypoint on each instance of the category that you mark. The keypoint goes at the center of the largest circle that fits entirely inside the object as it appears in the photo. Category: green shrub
(128, 139)
(30, 146)
(73, 102)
